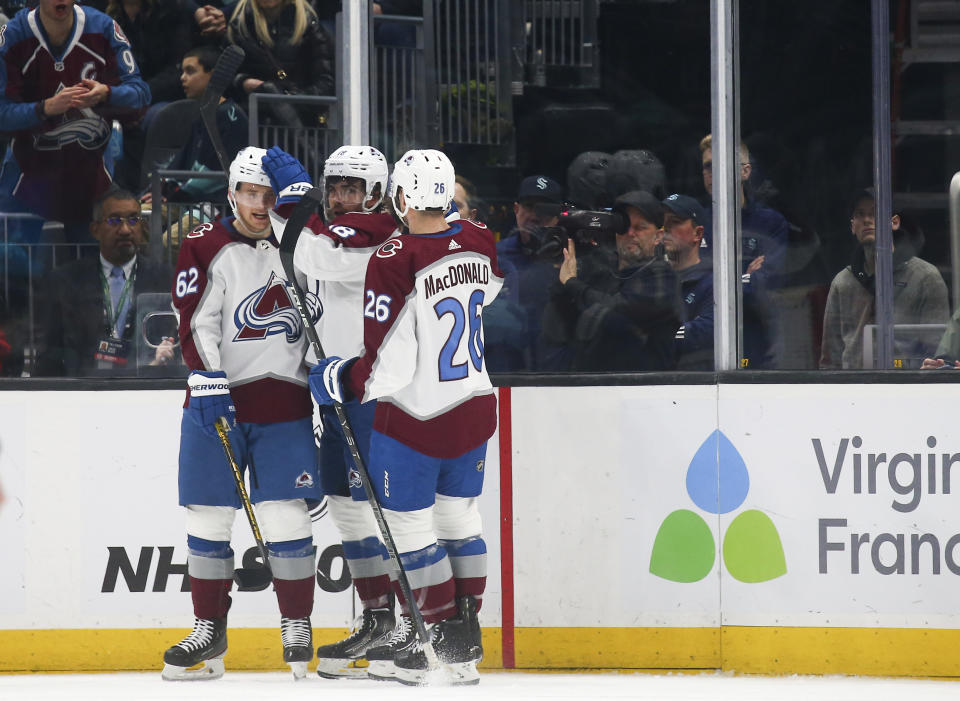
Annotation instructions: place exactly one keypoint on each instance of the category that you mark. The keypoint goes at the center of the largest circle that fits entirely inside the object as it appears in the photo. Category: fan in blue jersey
(66, 71)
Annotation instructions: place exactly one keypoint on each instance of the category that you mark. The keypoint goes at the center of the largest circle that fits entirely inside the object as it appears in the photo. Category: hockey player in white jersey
(244, 343)
(423, 362)
(334, 258)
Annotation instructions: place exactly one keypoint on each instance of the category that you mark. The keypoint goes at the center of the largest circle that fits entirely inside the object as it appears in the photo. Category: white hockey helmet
(247, 167)
(427, 179)
(363, 162)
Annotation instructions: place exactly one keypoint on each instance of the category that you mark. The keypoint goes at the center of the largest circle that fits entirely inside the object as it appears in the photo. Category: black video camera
(587, 228)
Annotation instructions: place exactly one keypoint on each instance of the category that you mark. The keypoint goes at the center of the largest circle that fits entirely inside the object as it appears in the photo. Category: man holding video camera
(616, 303)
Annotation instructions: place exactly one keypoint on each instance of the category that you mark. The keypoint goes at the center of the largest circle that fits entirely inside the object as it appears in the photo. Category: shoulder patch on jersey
(3, 30)
(118, 33)
(389, 248)
(343, 231)
(200, 230)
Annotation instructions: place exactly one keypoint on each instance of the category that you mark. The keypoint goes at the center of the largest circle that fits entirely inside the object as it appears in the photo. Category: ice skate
(374, 627)
(458, 645)
(381, 665)
(297, 637)
(205, 645)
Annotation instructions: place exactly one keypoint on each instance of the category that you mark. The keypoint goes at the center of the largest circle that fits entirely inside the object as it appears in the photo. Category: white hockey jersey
(236, 316)
(423, 339)
(334, 259)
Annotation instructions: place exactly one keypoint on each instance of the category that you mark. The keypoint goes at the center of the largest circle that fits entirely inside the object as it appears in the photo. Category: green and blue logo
(717, 483)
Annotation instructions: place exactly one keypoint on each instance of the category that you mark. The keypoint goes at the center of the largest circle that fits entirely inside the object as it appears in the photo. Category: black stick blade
(222, 74)
(220, 79)
(301, 213)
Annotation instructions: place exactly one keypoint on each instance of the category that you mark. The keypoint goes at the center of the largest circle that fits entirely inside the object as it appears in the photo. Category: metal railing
(23, 265)
(173, 220)
(472, 59)
(561, 34)
(401, 88)
(309, 144)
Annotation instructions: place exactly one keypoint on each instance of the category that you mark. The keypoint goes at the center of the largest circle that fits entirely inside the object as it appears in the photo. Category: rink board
(828, 544)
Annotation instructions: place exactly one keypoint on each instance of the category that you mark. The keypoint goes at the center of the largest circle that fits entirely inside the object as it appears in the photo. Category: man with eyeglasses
(88, 306)
(764, 235)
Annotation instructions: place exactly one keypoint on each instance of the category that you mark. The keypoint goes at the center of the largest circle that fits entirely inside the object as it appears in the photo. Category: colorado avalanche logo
(388, 249)
(118, 33)
(268, 311)
(355, 480)
(91, 133)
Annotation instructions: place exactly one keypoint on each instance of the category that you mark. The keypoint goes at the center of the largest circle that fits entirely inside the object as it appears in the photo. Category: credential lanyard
(113, 315)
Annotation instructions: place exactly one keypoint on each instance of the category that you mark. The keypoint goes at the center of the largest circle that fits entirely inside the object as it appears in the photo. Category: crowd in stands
(634, 293)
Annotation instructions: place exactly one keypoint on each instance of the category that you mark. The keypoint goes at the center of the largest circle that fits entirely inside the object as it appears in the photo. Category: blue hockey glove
(209, 400)
(288, 177)
(326, 382)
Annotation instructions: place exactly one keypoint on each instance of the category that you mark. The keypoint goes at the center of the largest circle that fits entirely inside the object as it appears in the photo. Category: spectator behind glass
(88, 306)
(198, 152)
(947, 354)
(59, 103)
(287, 52)
(764, 235)
(764, 231)
(683, 232)
(528, 276)
(623, 318)
(464, 196)
(504, 322)
(919, 293)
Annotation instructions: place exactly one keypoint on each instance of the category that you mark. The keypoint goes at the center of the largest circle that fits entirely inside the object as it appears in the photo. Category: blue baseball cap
(540, 188)
(685, 207)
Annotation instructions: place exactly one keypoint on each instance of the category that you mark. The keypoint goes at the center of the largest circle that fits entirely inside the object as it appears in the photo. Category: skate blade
(462, 673)
(457, 674)
(206, 671)
(342, 668)
(382, 671)
(299, 670)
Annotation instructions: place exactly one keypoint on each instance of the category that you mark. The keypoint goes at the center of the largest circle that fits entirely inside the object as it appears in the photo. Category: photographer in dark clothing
(614, 313)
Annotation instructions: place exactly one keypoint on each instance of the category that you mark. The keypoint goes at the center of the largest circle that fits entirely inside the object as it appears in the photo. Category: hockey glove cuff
(288, 177)
(326, 381)
(209, 400)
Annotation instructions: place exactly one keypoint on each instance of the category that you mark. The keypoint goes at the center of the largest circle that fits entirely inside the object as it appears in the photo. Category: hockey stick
(288, 244)
(248, 579)
(220, 78)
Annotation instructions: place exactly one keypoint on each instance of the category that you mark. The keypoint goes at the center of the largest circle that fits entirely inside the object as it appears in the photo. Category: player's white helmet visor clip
(427, 179)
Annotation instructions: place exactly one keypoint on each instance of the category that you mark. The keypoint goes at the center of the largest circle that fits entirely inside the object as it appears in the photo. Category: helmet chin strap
(396, 208)
(232, 201)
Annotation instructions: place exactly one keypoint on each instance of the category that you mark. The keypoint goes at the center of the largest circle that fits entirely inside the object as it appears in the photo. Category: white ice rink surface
(239, 686)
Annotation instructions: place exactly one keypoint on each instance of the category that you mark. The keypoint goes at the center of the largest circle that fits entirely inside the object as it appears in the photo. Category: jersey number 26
(468, 320)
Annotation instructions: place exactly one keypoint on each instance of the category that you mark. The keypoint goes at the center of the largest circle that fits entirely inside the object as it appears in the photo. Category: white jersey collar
(79, 19)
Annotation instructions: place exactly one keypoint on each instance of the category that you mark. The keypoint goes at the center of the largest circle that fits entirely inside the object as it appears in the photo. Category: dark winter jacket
(307, 66)
(695, 336)
(159, 37)
(615, 321)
